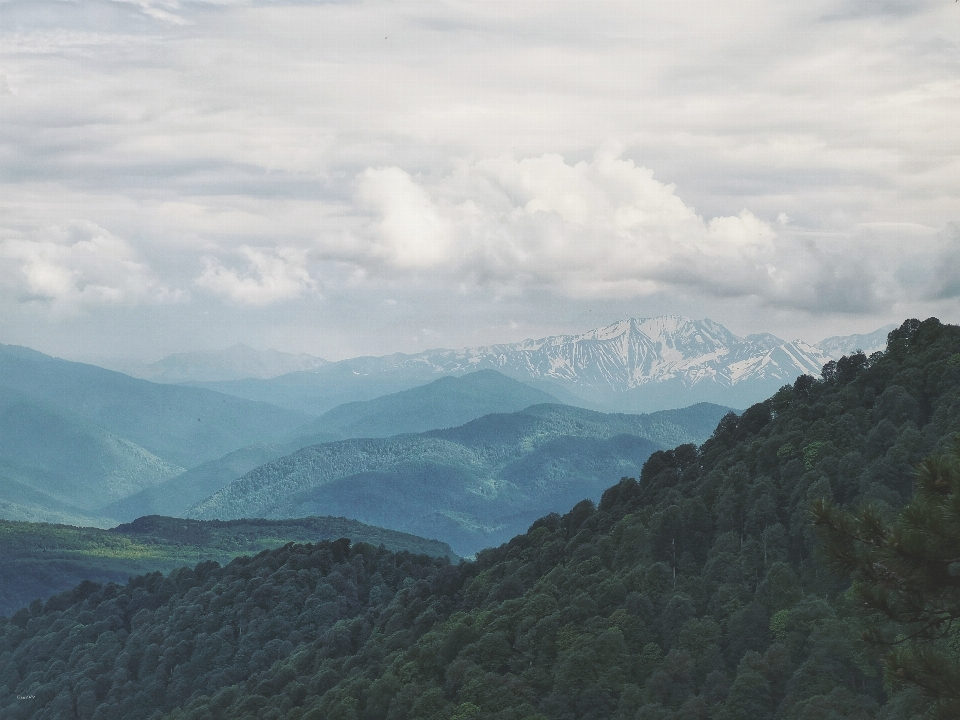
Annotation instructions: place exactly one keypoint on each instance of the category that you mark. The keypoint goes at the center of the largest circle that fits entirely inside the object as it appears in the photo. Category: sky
(345, 178)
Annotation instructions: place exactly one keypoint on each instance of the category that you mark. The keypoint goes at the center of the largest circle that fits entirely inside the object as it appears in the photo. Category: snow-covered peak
(638, 351)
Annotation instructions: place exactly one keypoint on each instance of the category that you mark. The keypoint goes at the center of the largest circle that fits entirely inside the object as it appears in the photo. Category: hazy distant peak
(839, 345)
(634, 364)
(233, 363)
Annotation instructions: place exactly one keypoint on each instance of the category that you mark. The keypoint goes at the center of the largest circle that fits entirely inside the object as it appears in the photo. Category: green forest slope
(39, 560)
(697, 592)
(472, 486)
(443, 403)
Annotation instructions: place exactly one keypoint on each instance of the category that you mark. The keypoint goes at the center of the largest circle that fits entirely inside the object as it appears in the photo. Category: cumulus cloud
(271, 275)
(80, 266)
(603, 227)
(410, 231)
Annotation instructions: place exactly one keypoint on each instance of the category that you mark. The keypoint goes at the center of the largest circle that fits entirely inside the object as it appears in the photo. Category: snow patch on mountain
(636, 352)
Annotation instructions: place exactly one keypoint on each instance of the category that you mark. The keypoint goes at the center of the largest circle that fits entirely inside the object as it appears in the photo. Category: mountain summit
(232, 363)
(634, 365)
(640, 351)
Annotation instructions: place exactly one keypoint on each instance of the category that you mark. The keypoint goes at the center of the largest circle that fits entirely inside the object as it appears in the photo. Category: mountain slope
(636, 365)
(471, 485)
(232, 363)
(183, 426)
(20, 500)
(839, 345)
(40, 560)
(446, 402)
(72, 460)
(696, 591)
(175, 496)
(443, 403)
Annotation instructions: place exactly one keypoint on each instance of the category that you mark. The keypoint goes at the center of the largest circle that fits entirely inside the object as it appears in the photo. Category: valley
(695, 587)
(398, 460)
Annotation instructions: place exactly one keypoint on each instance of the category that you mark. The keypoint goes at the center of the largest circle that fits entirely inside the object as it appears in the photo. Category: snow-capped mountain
(635, 365)
(636, 352)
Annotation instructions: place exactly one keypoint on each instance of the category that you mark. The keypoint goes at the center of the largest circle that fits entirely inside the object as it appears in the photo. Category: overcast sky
(346, 178)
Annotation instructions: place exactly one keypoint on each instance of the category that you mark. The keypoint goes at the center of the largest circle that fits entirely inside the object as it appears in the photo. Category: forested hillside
(443, 403)
(695, 592)
(447, 402)
(38, 560)
(178, 494)
(472, 486)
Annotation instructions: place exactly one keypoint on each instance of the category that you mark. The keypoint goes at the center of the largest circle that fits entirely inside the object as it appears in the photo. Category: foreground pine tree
(906, 579)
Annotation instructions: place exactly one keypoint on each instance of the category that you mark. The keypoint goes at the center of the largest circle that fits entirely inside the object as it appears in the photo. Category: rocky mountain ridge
(634, 365)
(638, 351)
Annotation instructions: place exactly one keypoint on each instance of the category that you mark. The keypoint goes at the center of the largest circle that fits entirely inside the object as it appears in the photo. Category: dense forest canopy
(38, 560)
(698, 591)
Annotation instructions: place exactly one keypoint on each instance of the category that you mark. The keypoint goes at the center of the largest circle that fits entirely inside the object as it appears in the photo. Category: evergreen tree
(906, 578)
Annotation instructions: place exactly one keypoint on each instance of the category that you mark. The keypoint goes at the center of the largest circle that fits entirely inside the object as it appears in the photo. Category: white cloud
(79, 266)
(599, 228)
(271, 275)
(430, 150)
(410, 231)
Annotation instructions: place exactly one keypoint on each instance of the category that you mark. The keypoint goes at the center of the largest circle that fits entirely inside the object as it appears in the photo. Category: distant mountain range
(441, 404)
(84, 445)
(471, 486)
(87, 446)
(446, 402)
(181, 425)
(636, 365)
(232, 363)
(55, 466)
(839, 345)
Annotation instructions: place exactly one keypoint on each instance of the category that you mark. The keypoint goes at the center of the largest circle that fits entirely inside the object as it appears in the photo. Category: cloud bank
(783, 167)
